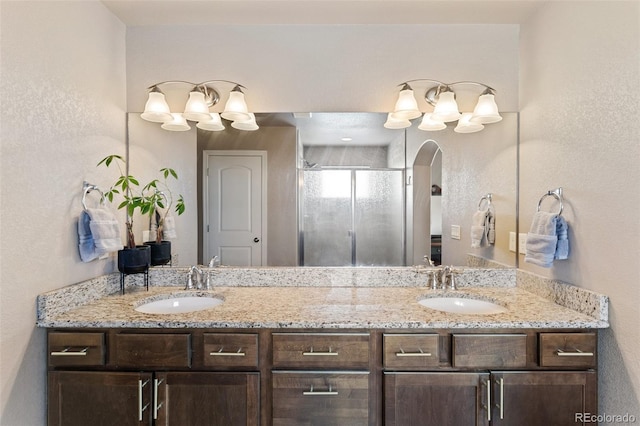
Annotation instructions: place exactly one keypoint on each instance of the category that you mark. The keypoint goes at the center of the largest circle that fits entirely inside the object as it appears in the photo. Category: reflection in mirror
(397, 193)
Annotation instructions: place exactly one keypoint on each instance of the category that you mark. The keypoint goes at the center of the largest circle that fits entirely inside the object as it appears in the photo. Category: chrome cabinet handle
(156, 406)
(421, 353)
(501, 405)
(488, 400)
(140, 402)
(220, 353)
(312, 392)
(578, 352)
(312, 353)
(68, 352)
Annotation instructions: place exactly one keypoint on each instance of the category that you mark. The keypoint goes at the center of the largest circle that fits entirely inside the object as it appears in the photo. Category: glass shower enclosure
(351, 217)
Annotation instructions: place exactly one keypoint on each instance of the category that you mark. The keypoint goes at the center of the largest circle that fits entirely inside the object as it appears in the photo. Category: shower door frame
(353, 235)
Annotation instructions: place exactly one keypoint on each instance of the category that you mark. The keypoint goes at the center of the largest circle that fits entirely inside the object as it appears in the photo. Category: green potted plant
(132, 258)
(158, 200)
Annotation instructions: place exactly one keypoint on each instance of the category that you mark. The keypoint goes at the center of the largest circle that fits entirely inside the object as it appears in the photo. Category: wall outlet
(512, 241)
(522, 243)
(455, 232)
(175, 259)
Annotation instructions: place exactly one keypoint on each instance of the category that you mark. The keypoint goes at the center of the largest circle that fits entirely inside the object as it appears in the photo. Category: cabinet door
(543, 398)
(438, 399)
(211, 399)
(99, 398)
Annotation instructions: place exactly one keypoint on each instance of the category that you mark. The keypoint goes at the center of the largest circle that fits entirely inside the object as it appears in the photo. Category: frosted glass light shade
(465, 126)
(236, 108)
(176, 124)
(249, 124)
(406, 106)
(446, 108)
(486, 110)
(196, 108)
(396, 123)
(156, 109)
(213, 124)
(429, 124)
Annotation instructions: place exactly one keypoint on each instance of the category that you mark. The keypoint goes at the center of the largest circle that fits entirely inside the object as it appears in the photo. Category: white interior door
(235, 200)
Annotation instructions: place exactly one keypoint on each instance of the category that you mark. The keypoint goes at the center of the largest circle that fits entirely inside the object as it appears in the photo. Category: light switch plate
(455, 232)
(522, 243)
(512, 241)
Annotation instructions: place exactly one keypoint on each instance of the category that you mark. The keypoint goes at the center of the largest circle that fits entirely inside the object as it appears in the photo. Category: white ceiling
(270, 12)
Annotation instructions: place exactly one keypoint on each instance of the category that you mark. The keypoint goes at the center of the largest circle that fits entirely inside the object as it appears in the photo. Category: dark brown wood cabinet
(542, 398)
(436, 399)
(320, 399)
(207, 399)
(81, 398)
(238, 377)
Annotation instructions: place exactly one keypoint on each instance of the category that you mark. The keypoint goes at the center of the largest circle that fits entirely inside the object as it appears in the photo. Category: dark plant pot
(134, 260)
(160, 252)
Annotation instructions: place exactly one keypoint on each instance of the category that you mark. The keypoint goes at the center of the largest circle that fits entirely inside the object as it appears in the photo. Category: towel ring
(486, 198)
(87, 189)
(557, 194)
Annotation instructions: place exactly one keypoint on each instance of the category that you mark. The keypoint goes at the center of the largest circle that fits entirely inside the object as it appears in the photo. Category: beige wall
(62, 110)
(580, 103)
(323, 68)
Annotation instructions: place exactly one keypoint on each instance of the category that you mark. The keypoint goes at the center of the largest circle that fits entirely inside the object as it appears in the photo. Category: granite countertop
(332, 307)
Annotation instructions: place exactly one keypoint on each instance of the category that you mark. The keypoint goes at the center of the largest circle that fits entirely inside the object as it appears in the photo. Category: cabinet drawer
(158, 350)
(411, 350)
(335, 398)
(75, 349)
(568, 350)
(489, 350)
(230, 350)
(321, 350)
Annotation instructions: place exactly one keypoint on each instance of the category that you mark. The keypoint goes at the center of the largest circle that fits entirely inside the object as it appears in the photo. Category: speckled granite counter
(320, 298)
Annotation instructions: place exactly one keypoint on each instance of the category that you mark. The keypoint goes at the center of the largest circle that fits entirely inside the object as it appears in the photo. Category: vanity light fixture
(202, 96)
(445, 108)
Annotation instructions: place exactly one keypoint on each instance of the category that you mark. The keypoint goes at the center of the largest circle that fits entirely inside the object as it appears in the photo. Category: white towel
(105, 230)
(478, 228)
(547, 239)
(169, 227)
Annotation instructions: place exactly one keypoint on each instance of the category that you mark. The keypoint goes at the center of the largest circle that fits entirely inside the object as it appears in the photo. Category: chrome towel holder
(87, 188)
(488, 197)
(557, 194)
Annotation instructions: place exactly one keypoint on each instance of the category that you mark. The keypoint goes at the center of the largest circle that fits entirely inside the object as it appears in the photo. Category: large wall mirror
(341, 190)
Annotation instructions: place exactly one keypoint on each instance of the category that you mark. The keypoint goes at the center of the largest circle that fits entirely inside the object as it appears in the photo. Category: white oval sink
(179, 305)
(462, 305)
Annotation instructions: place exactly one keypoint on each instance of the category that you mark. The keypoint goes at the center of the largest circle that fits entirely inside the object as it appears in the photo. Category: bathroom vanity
(332, 354)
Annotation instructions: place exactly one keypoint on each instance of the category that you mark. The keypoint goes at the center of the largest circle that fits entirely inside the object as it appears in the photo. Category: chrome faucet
(198, 279)
(447, 276)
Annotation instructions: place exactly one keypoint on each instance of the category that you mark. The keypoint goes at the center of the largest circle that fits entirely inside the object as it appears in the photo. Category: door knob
(256, 240)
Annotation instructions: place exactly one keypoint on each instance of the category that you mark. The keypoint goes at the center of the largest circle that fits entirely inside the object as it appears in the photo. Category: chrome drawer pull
(312, 353)
(578, 352)
(220, 353)
(312, 392)
(69, 352)
(421, 353)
